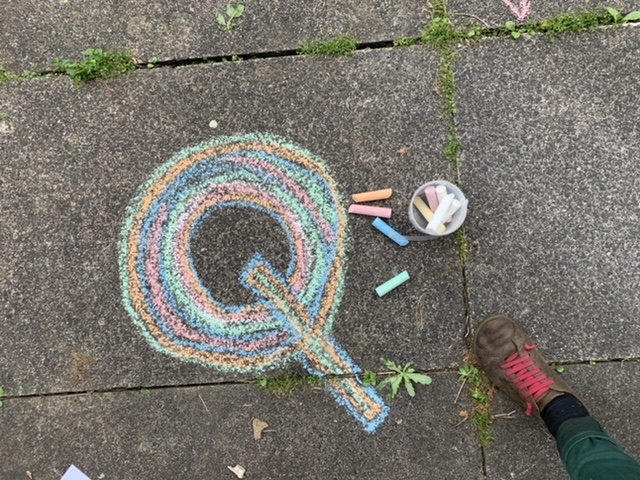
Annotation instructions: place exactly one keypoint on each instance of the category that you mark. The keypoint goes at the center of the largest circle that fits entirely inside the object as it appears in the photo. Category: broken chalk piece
(426, 212)
(239, 470)
(441, 192)
(390, 232)
(439, 215)
(455, 206)
(389, 285)
(74, 474)
(432, 197)
(372, 196)
(371, 211)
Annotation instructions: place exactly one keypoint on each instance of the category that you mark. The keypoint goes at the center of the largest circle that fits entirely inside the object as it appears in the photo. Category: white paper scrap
(74, 474)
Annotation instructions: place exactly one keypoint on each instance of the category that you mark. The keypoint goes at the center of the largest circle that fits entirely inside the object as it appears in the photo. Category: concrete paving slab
(523, 448)
(73, 158)
(197, 432)
(496, 12)
(550, 141)
(33, 34)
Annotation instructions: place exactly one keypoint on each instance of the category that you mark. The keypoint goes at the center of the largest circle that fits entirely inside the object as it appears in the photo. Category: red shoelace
(532, 384)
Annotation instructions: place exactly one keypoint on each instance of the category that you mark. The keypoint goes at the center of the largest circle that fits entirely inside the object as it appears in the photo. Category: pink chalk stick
(371, 211)
(432, 197)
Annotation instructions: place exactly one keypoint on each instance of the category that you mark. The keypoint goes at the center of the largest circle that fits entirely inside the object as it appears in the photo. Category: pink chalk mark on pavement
(519, 11)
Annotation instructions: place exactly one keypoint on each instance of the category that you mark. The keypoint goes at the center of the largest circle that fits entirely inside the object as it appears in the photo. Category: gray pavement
(199, 432)
(32, 34)
(549, 163)
(551, 138)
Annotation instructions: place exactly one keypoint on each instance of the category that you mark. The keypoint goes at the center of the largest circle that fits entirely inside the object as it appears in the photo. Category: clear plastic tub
(420, 223)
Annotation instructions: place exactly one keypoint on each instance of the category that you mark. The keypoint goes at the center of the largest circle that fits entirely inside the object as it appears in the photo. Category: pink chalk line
(522, 11)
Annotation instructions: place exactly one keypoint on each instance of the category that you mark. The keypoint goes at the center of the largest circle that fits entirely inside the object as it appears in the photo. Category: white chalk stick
(439, 214)
(455, 206)
(441, 192)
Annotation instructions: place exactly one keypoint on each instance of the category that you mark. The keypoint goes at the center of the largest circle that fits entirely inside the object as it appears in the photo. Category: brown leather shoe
(513, 363)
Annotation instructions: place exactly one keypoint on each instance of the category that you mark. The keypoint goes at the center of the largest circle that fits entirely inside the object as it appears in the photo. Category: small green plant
(592, 362)
(463, 243)
(406, 375)
(144, 390)
(440, 32)
(406, 41)
(6, 76)
(469, 373)
(336, 47)
(559, 368)
(96, 63)
(481, 398)
(618, 19)
(472, 32)
(234, 58)
(286, 384)
(369, 379)
(511, 26)
(3, 116)
(483, 423)
(233, 13)
(1, 395)
(153, 62)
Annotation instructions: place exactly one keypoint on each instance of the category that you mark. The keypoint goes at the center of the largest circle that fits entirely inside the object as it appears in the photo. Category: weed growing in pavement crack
(406, 41)
(481, 395)
(96, 63)
(618, 19)
(336, 47)
(6, 76)
(463, 242)
(554, 27)
(287, 383)
(369, 379)
(402, 375)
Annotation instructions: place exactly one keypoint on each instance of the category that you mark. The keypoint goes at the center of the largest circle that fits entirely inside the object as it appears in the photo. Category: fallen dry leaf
(403, 151)
(258, 427)
(464, 415)
(29, 474)
(238, 470)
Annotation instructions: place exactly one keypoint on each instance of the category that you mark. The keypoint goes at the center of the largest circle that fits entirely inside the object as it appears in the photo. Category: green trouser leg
(590, 454)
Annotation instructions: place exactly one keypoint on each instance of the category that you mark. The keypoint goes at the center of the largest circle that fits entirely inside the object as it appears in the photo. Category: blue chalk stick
(390, 232)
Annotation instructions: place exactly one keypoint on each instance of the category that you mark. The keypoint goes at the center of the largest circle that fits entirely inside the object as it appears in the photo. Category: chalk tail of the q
(321, 355)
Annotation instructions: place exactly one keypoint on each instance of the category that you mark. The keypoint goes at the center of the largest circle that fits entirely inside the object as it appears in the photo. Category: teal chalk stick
(384, 227)
(389, 285)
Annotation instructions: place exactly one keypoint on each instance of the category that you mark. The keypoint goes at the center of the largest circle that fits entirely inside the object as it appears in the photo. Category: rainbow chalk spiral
(293, 315)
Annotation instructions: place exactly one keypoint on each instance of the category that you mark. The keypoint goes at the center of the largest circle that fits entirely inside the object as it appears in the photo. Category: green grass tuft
(96, 63)
(406, 41)
(288, 383)
(336, 47)
(6, 76)
(463, 242)
(481, 394)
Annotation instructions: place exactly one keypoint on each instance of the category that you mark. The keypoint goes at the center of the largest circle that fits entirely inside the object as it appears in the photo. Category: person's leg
(511, 361)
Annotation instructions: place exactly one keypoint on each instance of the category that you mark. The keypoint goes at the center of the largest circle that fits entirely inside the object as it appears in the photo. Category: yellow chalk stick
(372, 196)
(427, 213)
